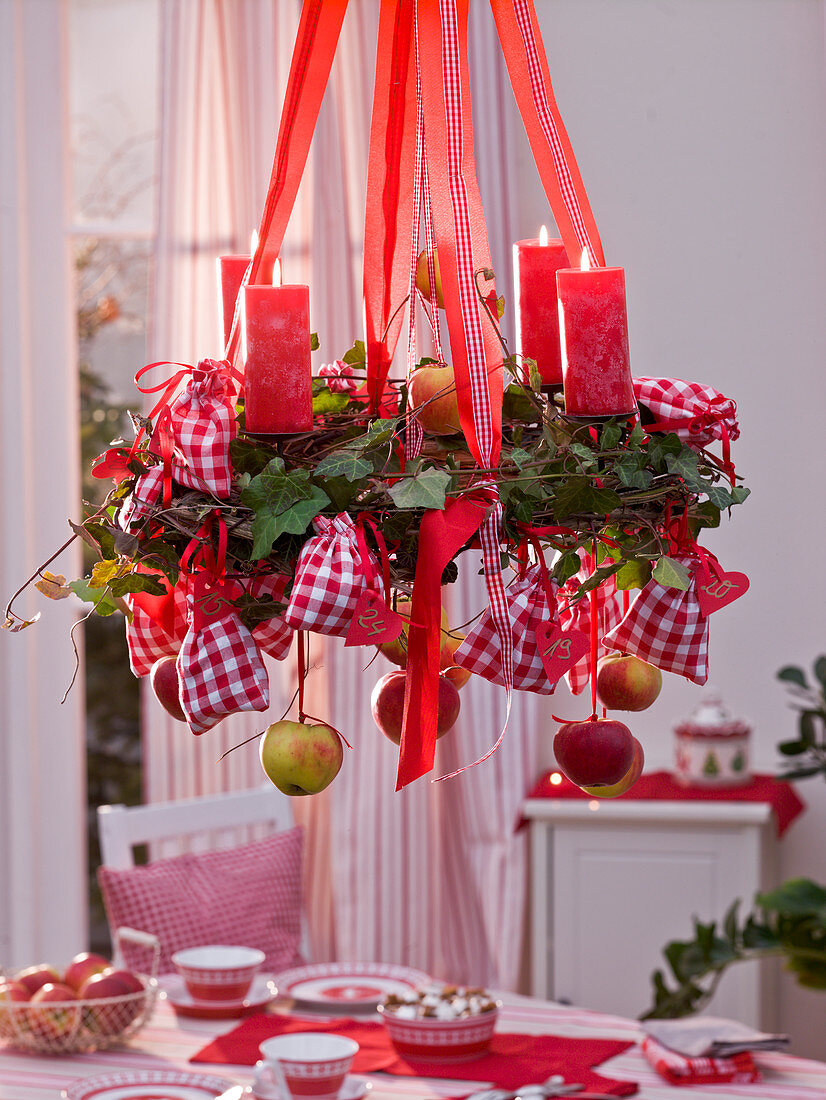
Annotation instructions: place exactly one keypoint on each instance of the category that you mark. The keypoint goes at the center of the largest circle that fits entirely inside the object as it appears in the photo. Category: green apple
(299, 758)
(625, 682)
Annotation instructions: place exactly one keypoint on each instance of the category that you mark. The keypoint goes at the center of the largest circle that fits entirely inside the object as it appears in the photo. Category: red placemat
(513, 1060)
(661, 786)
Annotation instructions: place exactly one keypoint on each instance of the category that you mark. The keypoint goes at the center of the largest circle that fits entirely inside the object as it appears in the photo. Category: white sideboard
(613, 881)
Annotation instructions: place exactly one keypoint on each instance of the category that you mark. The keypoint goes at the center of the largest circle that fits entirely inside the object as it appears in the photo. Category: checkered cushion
(221, 672)
(330, 576)
(203, 425)
(577, 616)
(248, 895)
(147, 640)
(272, 636)
(665, 627)
(694, 411)
(528, 606)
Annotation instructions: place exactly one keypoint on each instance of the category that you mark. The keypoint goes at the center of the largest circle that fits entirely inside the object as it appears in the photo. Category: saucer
(261, 992)
(354, 1088)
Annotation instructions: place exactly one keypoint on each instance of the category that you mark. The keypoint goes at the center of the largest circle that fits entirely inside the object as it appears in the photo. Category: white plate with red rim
(348, 985)
(262, 991)
(148, 1084)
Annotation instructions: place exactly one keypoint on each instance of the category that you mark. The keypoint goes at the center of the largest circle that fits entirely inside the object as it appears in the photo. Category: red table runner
(662, 787)
(513, 1060)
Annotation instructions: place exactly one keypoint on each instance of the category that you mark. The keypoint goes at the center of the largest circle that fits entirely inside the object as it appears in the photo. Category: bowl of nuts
(440, 1023)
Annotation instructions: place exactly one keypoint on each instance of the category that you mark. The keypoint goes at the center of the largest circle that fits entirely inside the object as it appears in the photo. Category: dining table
(168, 1042)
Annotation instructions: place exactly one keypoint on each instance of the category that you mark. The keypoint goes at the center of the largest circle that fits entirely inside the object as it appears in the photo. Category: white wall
(700, 130)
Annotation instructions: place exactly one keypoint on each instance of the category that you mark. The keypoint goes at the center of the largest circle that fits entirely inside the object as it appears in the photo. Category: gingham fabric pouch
(331, 575)
(219, 666)
(143, 498)
(666, 627)
(576, 615)
(480, 651)
(272, 636)
(697, 413)
(203, 425)
(157, 628)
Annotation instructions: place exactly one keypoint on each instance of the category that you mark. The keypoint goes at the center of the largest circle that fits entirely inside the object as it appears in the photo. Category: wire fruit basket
(86, 1024)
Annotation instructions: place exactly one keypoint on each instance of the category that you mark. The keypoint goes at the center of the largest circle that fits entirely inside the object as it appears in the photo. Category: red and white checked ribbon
(546, 119)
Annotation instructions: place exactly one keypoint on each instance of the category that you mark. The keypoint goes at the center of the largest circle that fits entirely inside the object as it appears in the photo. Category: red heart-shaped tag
(715, 590)
(112, 463)
(373, 622)
(560, 649)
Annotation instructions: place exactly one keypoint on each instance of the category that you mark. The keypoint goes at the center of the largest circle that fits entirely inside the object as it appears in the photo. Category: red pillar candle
(535, 264)
(593, 329)
(278, 395)
(231, 271)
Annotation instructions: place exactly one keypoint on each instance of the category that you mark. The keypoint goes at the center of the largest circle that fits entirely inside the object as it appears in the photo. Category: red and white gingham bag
(203, 426)
(331, 574)
(665, 627)
(219, 666)
(272, 636)
(697, 413)
(152, 636)
(480, 651)
(577, 616)
(144, 496)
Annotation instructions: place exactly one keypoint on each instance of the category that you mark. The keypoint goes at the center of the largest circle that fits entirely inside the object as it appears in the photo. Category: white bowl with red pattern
(430, 1039)
(218, 972)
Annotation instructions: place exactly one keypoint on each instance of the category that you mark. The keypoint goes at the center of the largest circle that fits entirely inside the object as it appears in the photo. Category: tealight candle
(275, 331)
(535, 264)
(593, 328)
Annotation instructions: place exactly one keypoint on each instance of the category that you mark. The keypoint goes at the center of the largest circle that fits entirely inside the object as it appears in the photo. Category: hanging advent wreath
(257, 501)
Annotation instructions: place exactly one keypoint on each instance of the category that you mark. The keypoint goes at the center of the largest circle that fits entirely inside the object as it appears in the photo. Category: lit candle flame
(585, 263)
(543, 235)
(276, 273)
(253, 242)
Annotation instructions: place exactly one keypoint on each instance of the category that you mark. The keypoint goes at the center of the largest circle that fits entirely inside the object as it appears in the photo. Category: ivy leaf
(357, 354)
(706, 515)
(53, 586)
(718, 495)
(610, 437)
(636, 436)
(739, 493)
(425, 490)
(521, 457)
(630, 474)
(633, 574)
(671, 574)
(105, 603)
(104, 571)
(248, 457)
(500, 307)
(327, 403)
(517, 406)
(662, 446)
(137, 582)
(604, 500)
(566, 566)
(314, 344)
(344, 464)
(284, 503)
(380, 431)
(341, 492)
(585, 454)
(534, 377)
(102, 533)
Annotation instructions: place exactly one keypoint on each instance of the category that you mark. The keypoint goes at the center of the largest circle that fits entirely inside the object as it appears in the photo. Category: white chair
(191, 824)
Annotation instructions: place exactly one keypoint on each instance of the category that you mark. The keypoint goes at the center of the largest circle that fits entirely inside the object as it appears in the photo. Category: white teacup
(305, 1065)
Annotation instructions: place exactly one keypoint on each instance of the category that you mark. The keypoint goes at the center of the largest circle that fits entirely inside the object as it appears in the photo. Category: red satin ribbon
(389, 209)
(361, 520)
(441, 536)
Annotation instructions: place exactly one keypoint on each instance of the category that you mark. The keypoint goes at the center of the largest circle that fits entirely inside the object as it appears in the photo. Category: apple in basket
(113, 1018)
(625, 682)
(12, 1021)
(431, 391)
(299, 758)
(423, 277)
(33, 977)
(53, 1023)
(82, 967)
(164, 681)
(596, 752)
(387, 705)
(628, 780)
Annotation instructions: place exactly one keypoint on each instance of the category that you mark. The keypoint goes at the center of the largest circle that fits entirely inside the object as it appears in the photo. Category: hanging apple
(431, 391)
(299, 758)
(387, 705)
(165, 682)
(625, 682)
(597, 752)
(628, 780)
(423, 277)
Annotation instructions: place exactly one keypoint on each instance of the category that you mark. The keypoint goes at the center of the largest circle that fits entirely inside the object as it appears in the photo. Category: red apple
(33, 977)
(53, 1023)
(82, 967)
(432, 392)
(12, 1020)
(300, 759)
(423, 277)
(625, 682)
(109, 1019)
(451, 640)
(164, 680)
(597, 752)
(387, 705)
(627, 781)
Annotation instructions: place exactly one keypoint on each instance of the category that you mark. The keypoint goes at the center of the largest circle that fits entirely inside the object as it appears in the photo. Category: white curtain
(433, 876)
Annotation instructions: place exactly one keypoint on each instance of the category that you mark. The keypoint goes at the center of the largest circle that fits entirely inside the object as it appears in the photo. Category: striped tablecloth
(167, 1041)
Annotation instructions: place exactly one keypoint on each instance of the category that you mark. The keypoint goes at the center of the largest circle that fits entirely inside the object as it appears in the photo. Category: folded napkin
(711, 1037)
(513, 1060)
(679, 1070)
